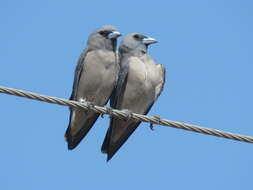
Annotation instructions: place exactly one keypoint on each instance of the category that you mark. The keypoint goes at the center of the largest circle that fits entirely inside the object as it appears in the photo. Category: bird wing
(161, 80)
(78, 72)
(93, 82)
(73, 141)
(116, 98)
(120, 130)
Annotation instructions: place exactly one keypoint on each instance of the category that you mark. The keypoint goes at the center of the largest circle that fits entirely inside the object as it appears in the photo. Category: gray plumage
(95, 78)
(139, 85)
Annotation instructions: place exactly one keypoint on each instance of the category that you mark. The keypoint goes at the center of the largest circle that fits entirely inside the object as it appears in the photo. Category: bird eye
(103, 33)
(136, 36)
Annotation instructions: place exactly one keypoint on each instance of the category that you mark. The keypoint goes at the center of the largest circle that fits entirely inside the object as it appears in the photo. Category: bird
(95, 78)
(140, 83)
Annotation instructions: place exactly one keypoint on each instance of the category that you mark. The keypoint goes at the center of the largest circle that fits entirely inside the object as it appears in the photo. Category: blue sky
(206, 47)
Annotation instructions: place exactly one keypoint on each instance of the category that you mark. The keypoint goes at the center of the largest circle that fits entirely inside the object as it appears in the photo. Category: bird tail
(74, 140)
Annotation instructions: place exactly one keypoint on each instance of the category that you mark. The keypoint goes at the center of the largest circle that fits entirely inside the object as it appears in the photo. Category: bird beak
(114, 35)
(149, 40)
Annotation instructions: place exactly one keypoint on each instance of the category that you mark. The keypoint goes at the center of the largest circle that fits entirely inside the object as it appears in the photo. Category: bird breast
(98, 77)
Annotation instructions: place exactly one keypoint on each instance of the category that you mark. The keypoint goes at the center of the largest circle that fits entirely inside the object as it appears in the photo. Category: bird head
(104, 38)
(136, 43)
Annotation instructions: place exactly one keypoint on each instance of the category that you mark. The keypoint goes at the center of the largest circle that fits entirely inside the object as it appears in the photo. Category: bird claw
(151, 126)
(108, 111)
(157, 118)
(90, 105)
(129, 115)
(82, 100)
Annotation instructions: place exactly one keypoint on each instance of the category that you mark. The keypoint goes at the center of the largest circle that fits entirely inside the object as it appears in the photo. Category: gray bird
(95, 78)
(140, 83)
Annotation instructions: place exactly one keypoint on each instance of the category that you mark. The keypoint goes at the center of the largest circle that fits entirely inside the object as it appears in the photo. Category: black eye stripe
(104, 32)
(136, 36)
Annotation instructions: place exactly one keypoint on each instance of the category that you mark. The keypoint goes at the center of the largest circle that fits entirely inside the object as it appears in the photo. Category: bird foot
(151, 126)
(128, 113)
(108, 111)
(90, 105)
(82, 100)
(157, 119)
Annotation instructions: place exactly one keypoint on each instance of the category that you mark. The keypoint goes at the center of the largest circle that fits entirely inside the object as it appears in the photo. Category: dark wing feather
(120, 87)
(112, 148)
(115, 98)
(75, 140)
(78, 71)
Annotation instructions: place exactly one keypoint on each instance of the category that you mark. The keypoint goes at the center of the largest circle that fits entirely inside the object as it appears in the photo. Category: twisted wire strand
(125, 115)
